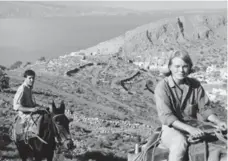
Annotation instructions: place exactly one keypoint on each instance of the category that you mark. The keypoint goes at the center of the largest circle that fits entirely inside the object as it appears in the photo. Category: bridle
(59, 130)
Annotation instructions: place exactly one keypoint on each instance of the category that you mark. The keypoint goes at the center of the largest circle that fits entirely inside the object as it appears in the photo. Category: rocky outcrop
(150, 45)
(164, 34)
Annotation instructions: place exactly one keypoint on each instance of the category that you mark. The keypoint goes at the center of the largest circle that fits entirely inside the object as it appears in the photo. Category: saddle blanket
(26, 126)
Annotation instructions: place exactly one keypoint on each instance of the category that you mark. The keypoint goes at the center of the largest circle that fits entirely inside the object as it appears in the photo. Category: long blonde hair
(183, 54)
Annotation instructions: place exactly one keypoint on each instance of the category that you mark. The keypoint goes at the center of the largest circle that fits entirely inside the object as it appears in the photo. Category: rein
(27, 130)
(49, 125)
(214, 131)
(57, 131)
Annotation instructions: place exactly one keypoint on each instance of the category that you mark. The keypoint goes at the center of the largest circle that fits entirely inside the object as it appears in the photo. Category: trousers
(176, 142)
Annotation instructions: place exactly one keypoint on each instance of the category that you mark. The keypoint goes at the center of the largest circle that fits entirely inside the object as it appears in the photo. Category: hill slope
(109, 88)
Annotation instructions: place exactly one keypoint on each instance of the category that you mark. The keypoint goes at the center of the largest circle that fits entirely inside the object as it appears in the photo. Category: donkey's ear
(62, 106)
(53, 107)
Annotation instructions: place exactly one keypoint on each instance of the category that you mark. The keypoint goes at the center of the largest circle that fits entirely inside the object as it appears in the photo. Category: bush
(42, 59)
(196, 69)
(204, 68)
(27, 63)
(15, 65)
(2, 67)
(4, 80)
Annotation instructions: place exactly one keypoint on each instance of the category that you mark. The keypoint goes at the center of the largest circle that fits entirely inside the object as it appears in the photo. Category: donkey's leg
(50, 155)
(38, 158)
(22, 153)
(37, 155)
(24, 158)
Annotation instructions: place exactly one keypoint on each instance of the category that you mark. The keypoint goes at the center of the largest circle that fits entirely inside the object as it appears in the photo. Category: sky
(150, 4)
(170, 5)
(155, 5)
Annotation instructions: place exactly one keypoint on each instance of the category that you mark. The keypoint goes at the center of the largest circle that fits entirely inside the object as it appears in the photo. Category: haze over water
(29, 39)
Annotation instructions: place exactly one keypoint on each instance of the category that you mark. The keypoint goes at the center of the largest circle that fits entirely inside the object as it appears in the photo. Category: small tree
(15, 65)
(42, 59)
(204, 68)
(27, 63)
(196, 69)
(4, 80)
(2, 67)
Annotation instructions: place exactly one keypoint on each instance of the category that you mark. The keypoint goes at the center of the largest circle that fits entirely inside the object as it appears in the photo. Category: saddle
(26, 126)
(151, 151)
(212, 146)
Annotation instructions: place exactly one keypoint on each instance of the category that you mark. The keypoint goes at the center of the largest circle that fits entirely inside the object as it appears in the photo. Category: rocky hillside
(109, 88)
(149, 46)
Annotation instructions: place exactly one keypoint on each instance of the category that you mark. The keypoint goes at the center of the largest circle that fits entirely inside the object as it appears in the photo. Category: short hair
(29, 72)
(183, 54)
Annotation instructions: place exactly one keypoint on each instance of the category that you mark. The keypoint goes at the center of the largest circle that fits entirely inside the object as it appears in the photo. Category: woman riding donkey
(178, 100)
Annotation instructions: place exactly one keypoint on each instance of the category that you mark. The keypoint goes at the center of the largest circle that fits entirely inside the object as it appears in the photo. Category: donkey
(54, 131)
(211, 147)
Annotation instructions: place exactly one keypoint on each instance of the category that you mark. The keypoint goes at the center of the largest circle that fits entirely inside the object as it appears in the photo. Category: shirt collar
(172, 83)
(27, 85)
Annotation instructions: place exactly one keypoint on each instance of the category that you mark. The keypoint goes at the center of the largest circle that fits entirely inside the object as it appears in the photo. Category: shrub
(204, 68)
(42, 59)
(4, 80)
(27, 63)
(2, 67)
(196, 69)
(15, 65)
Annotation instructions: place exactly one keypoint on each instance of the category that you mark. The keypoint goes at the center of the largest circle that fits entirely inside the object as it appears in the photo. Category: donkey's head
(61, 125)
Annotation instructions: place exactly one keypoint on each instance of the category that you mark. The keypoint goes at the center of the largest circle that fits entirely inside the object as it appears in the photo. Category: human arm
(166, 112)
(164, 105)
(221, 124)
(206, 112)
(25, 109)
(194, 132)
(203, 103)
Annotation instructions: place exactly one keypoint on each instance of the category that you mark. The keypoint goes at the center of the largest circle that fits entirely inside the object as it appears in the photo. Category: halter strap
(56, 126)
(58, 115)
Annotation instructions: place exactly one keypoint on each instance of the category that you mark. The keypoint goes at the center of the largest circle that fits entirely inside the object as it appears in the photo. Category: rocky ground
(109, 119)
(110, 99)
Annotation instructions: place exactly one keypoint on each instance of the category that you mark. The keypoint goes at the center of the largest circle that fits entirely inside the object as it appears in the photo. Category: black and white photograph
(113, 80)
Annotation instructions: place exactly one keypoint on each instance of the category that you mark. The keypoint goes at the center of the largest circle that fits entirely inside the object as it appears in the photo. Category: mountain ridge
(71, 9)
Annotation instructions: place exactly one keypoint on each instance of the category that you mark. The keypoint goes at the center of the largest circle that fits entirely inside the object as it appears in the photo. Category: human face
(179, 69)
(29, 80)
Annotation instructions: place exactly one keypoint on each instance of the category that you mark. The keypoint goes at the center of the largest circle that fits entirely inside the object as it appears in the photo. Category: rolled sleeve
(17, 101)
(163, 105)
(204, 104)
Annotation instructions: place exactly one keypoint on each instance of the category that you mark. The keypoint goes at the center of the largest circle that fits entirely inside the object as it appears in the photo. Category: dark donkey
(54, 131)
